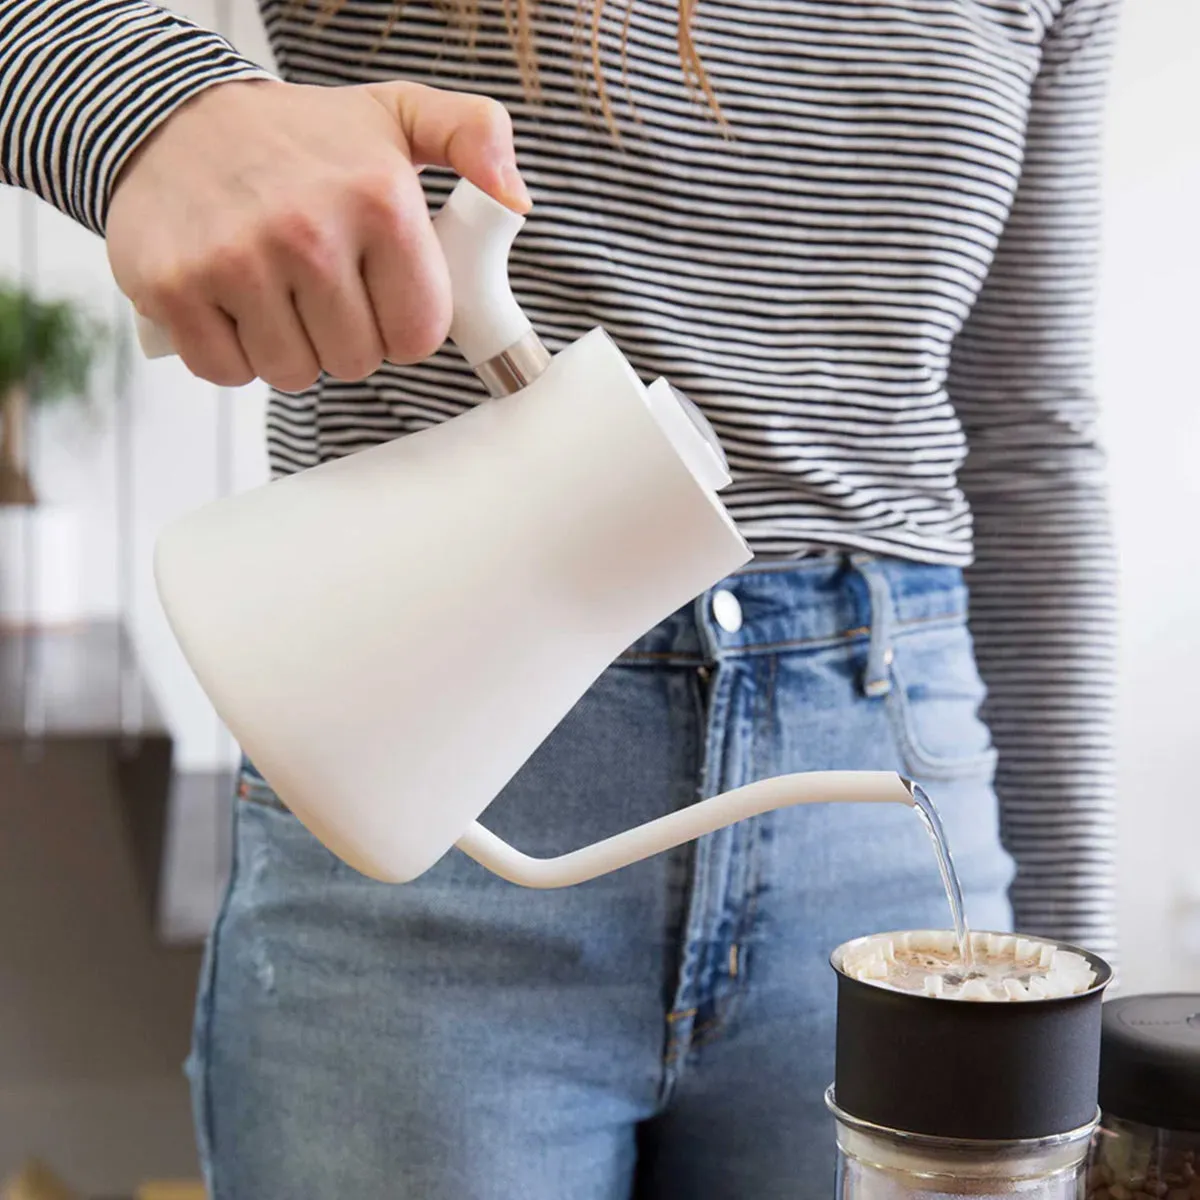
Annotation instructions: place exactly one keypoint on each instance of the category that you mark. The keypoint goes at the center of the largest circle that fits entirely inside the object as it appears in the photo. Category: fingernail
(515, 191)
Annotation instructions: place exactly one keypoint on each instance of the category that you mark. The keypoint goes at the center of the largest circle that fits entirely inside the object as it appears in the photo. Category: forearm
(1043, 605)
(1043, 588)
(84, 82)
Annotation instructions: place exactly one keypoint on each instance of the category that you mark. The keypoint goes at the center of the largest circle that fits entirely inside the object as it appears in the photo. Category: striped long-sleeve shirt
(888, 263)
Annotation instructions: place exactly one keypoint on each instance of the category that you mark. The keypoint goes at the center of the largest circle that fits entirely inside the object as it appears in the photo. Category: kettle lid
(690, 434)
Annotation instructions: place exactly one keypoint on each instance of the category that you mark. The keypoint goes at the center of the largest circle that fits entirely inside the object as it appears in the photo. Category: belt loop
(877, 677)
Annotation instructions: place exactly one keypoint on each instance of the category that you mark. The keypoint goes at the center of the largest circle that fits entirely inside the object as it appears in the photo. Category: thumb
(470, 134)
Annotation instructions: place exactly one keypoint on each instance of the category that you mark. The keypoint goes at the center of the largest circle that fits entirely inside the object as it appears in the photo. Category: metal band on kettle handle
(488, 326)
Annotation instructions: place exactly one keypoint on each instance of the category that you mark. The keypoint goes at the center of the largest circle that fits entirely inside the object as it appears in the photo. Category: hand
(276, 230)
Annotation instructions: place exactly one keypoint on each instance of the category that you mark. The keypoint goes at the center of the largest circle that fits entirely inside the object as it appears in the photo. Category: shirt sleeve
(1043, 586)
(82, 84)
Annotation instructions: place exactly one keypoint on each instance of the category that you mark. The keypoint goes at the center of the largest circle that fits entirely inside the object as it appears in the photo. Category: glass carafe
(888, 1164)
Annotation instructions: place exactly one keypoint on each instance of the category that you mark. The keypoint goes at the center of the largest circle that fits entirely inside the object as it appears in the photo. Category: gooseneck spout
(664, 833)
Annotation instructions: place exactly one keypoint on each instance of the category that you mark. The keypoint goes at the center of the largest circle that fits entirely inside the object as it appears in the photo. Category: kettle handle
(664, 833)
(476, 234)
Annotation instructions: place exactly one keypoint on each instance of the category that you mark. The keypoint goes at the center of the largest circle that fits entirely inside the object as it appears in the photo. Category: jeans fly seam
(707, 1032)
(681, 1015)
(754, 837)
(706, 698)
(758, 831)
(725, 1006)
(754, 872)
(716, 730)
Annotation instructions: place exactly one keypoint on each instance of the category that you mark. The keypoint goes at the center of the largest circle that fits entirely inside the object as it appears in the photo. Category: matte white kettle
(391, 635)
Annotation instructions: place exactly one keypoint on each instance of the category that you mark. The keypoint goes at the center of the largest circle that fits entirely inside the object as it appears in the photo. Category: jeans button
(727, 611)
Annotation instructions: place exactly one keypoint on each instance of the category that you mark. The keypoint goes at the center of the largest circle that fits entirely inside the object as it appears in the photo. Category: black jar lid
(1150, 1060)
(976, 1070)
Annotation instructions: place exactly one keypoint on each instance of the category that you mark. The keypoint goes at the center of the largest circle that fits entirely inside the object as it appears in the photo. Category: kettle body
(390, 636)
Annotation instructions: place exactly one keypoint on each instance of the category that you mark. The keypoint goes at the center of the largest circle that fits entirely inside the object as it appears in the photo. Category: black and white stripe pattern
(890, 258)
(82, 82)
(1043, 585)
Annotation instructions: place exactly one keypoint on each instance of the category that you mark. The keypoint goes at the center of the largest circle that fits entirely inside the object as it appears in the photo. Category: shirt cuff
(83, 84)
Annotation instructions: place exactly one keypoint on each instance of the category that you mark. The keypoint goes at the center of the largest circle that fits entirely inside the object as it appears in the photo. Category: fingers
(403, 267)
(403, 271)
(367, 286)
(275, 341)
(282, 231)
(329, 324)
(471, 134)
(204, 337)
(338, 286)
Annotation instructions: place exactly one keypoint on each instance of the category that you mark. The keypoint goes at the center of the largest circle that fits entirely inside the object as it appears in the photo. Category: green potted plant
(47, 348)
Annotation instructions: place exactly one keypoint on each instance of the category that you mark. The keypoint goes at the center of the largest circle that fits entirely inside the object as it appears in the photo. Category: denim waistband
(778, 606)
(785, 605)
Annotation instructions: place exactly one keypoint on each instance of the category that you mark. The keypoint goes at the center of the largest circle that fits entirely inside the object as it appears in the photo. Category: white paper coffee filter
(1004, 967)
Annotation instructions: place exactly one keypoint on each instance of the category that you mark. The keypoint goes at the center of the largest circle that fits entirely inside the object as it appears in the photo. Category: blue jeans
(666, 1031)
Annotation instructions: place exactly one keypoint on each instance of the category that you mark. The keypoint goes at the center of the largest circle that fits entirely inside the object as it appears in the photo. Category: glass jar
(1133, 1161)
(1148, 1144)
(886, 1164)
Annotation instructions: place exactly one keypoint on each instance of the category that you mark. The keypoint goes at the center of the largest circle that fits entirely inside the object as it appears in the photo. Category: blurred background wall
(1146, 357)
(176, 436)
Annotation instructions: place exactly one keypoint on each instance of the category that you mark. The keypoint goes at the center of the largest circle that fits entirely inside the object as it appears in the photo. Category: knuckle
(491, 115)
(376, 195)
(234, 262)
(291, 379)
(289, 369)
(164, 290)
(219, 371)
(234, 377)
(420, 336)
(280, 357)
(354, 365)
(298, 234)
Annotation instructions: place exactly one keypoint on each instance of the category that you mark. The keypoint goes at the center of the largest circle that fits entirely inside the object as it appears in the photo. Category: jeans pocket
(934, 705)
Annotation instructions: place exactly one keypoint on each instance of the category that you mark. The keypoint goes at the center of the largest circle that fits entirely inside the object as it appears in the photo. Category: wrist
(214, 92)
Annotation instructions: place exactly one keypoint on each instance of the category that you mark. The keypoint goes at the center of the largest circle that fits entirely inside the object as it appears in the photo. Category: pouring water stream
(931, 819)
